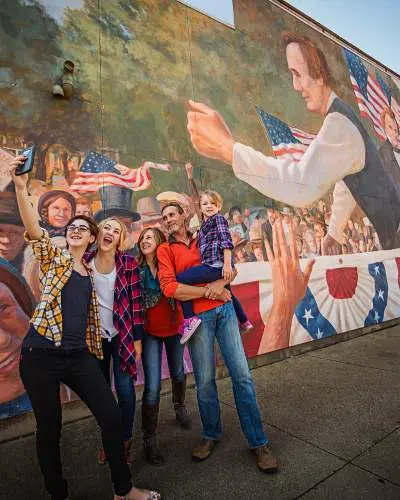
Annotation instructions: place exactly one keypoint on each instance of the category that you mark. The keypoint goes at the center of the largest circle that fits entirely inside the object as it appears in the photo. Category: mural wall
(281, 121)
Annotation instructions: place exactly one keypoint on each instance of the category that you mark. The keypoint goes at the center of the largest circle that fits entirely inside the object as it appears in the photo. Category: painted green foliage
(137, 64)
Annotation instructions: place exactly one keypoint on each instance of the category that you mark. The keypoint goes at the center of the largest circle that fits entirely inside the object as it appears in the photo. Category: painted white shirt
(338, 150)
(104, 285)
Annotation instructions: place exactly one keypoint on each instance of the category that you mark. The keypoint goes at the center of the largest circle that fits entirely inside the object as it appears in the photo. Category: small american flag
(97, 171)
(287, 142)
(371, 97)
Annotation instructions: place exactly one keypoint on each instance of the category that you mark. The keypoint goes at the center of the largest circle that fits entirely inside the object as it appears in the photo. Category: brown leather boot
(266, 461)
(151, 451)
(178, 399)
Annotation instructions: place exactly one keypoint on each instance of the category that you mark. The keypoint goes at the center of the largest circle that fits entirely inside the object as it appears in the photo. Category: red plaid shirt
(128, 315)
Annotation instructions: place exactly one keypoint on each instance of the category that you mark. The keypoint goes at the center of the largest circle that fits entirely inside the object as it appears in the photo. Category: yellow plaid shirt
(55, 270)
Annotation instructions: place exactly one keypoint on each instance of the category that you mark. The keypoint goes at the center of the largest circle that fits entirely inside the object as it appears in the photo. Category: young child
(215, 245)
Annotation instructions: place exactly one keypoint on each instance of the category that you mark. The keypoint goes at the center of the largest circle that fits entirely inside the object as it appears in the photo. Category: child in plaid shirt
(215, 245)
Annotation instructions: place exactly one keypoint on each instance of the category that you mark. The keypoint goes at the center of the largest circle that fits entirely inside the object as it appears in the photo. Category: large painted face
(11, 241)
(173, 220)
(313, 91)
(392, 131)
(59, 212)
(14, 324)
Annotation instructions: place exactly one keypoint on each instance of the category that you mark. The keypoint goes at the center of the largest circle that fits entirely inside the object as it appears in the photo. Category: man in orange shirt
(213, 306)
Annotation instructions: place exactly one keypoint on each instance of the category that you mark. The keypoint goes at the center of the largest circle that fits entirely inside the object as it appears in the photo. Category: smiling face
(59, 212)
(174, 221)
(110, 235)
(78, 235)
(14, 324)
(148, 244)
(314, 92)
(208, 207)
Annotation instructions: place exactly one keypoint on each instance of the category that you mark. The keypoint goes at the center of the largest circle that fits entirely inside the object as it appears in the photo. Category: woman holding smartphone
(62, 345)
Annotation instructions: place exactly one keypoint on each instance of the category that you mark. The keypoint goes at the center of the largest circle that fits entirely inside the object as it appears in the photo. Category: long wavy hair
(159, 238)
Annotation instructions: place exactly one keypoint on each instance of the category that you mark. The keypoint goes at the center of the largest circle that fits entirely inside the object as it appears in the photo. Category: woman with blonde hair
(161, 328)
(117, 284)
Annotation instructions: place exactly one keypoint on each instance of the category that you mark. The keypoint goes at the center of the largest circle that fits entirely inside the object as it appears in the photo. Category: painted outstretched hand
(289, 285)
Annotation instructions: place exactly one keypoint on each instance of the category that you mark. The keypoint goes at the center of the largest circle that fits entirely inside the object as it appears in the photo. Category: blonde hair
(215, 197)
(122, 237)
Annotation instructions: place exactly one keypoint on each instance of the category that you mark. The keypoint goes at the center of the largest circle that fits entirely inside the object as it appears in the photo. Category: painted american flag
(98, 170)
(372, 94)
(287, 142)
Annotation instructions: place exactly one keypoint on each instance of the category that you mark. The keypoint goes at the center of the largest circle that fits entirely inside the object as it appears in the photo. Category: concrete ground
(332, 416)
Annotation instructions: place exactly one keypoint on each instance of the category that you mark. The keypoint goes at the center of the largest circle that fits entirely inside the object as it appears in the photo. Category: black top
(75, 299)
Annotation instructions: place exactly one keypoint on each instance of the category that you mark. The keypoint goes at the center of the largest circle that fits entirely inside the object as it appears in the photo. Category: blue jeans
(151, 360)
(221, 324)
(206, 274)
(124, 384)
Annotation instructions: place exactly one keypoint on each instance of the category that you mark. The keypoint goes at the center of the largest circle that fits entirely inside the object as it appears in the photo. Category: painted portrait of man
(342, 155)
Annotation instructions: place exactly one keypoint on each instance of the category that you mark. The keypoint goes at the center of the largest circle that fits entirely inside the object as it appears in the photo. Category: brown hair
(94, 230)
(159, 237)
(215, 197)
(388, 112)
(314, 57)
(173, 204)
(48, 198)
(122, 237)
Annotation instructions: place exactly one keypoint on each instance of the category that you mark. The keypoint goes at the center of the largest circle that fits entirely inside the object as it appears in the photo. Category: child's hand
(228, 272)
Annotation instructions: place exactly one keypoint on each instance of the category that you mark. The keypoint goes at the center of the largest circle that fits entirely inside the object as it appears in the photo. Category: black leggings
(42, 371)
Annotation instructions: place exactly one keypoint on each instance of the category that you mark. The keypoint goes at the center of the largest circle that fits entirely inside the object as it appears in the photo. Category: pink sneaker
(189, 327)
(245, 327)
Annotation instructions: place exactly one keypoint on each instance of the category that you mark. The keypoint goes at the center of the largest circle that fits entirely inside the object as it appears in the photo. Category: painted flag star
(381, 294)
(376, 317)
(376, 269)
(319, 334)
(307, 315)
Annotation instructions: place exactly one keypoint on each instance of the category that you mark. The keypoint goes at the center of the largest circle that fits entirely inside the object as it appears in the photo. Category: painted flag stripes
(372, 99)
(98, 170)
(287, 142)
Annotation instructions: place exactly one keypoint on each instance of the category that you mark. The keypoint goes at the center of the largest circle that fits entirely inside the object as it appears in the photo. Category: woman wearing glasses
(117, 284)
(62, 345)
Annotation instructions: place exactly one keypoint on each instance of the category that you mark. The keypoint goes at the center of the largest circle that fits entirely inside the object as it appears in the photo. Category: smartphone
(28, 163)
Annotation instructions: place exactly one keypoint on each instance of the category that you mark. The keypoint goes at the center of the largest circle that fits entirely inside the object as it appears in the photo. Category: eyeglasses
(80, 229)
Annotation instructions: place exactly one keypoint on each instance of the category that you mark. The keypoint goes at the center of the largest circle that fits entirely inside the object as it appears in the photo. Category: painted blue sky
(371, 25)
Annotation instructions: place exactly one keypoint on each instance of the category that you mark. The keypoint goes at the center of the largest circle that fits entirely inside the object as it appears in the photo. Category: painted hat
(116, 202)
(17, 284)
(9, 211)
(55, 194)
(149, 209)
(286, 211)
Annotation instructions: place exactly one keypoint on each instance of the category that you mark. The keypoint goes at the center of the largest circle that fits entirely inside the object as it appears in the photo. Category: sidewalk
(333, 417)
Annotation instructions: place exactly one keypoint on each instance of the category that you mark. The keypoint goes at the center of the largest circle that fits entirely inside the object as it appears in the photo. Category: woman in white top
(117, 285)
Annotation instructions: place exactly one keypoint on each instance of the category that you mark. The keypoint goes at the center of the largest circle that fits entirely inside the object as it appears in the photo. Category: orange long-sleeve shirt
(175, 257)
